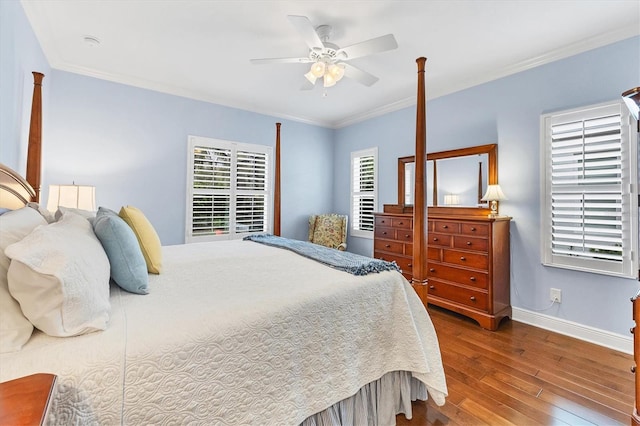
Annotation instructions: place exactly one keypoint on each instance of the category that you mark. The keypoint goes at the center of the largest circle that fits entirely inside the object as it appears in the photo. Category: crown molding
(447, 89)
(179, 91)
(434, 91)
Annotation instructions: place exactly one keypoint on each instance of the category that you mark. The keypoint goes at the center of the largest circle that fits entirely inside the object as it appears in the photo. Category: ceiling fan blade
(307, 31)
(374, 45)
(280, 61)
(360, 76)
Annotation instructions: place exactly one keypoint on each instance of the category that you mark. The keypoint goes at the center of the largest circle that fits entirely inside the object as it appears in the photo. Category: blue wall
(507, 111)
(131, 144)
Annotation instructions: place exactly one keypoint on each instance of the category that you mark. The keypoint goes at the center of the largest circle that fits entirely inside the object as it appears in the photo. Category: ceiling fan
(329, 61)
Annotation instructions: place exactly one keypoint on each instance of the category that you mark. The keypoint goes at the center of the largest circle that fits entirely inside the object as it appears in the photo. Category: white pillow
(15, 329)
(87, 214)
(48, 216)
(60, 276)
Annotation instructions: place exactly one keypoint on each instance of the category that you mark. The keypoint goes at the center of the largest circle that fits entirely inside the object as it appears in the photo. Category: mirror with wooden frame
(456, 181)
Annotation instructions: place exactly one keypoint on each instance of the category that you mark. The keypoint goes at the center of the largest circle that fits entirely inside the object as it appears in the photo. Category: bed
(237, 332)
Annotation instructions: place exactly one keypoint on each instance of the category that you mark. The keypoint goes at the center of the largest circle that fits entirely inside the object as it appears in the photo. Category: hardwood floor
(524, 375)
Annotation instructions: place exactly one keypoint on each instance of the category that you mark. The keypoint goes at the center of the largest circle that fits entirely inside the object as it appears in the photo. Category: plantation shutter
(251, 192)
(364, 191)
(228, 192)
(589, 202)
(211, 191)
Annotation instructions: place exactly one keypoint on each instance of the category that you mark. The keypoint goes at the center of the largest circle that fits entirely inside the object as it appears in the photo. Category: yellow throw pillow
(147, 237)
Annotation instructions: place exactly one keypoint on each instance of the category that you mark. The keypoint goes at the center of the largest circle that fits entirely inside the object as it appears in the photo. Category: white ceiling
(201, 49)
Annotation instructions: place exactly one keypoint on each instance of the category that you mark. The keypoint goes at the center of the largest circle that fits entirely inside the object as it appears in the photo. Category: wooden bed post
(419, 279)
(435, 183)
(276, 189)
(35, 136)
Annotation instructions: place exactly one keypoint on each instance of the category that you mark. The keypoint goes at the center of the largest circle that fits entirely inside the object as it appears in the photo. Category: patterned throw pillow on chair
(328, 230)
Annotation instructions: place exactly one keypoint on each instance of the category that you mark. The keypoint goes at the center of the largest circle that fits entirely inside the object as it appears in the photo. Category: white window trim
(194, 141)
(628, 268)
(362, 153)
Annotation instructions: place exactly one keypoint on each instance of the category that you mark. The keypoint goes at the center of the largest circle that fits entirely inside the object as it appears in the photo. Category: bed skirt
(376, 403)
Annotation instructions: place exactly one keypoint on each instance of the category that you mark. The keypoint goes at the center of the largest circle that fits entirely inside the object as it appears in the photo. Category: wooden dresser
(468, 262)
(25, 401)
(635, 416)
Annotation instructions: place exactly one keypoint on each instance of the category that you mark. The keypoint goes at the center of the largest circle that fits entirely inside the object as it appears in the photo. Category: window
(229, 190)
(589, 190)
(364, 191)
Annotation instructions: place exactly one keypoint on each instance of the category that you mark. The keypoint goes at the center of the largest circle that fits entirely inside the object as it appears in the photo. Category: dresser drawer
(388, 246)
(439, 240)
(401, 222)
(470, 243)
(465, 296)
(405, 264)
(446, 227)
(382, 232)
(383, 221)
(404, 235)
(463, 258)
(433, 253)
(457, 275)
(475, 229)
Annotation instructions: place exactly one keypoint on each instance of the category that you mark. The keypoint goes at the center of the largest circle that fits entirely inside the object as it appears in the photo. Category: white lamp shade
(494, 193)
(336, 71)
(329, 80)
(73, 196)
(317, 69)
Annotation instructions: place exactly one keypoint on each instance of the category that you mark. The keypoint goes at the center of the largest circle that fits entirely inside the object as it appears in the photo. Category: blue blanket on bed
(349, 262)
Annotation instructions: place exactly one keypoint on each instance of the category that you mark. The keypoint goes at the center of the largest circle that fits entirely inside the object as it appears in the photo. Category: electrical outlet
(556, 295)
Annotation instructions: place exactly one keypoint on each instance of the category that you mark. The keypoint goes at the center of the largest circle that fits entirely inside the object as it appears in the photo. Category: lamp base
(494, 209)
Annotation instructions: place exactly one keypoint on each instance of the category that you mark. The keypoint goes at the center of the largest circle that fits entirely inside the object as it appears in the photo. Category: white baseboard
(573, 329)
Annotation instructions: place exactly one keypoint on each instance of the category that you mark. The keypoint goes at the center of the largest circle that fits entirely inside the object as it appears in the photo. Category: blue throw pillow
(128, 267)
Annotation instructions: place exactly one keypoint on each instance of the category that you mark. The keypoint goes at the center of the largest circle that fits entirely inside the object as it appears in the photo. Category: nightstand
(25, 401)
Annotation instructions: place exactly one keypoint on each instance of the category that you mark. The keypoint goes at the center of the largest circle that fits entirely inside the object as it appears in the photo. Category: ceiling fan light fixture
(312, 78)
(336, 71)
(329, 80)
(318, 69)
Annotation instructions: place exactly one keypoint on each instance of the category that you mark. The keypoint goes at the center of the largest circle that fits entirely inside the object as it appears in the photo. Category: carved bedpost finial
(35, 136)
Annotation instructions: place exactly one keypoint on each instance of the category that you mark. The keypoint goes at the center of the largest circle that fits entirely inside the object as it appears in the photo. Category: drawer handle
(432, 287)
(473, 228)
(473, 298)
(432, 270)
(435, 239)
(633, 369)
(463, 258)
(472, 278)
(409, 265)
(446, 227)
(384, 233)
(401, 223)
(468, 243)
(383, 221)
(387, 245)
(407, 235)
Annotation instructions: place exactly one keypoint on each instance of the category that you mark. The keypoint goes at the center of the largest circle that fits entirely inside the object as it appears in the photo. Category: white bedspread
(236, 333)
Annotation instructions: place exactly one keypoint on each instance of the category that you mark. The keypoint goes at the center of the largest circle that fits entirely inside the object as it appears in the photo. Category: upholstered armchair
(329, 230)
